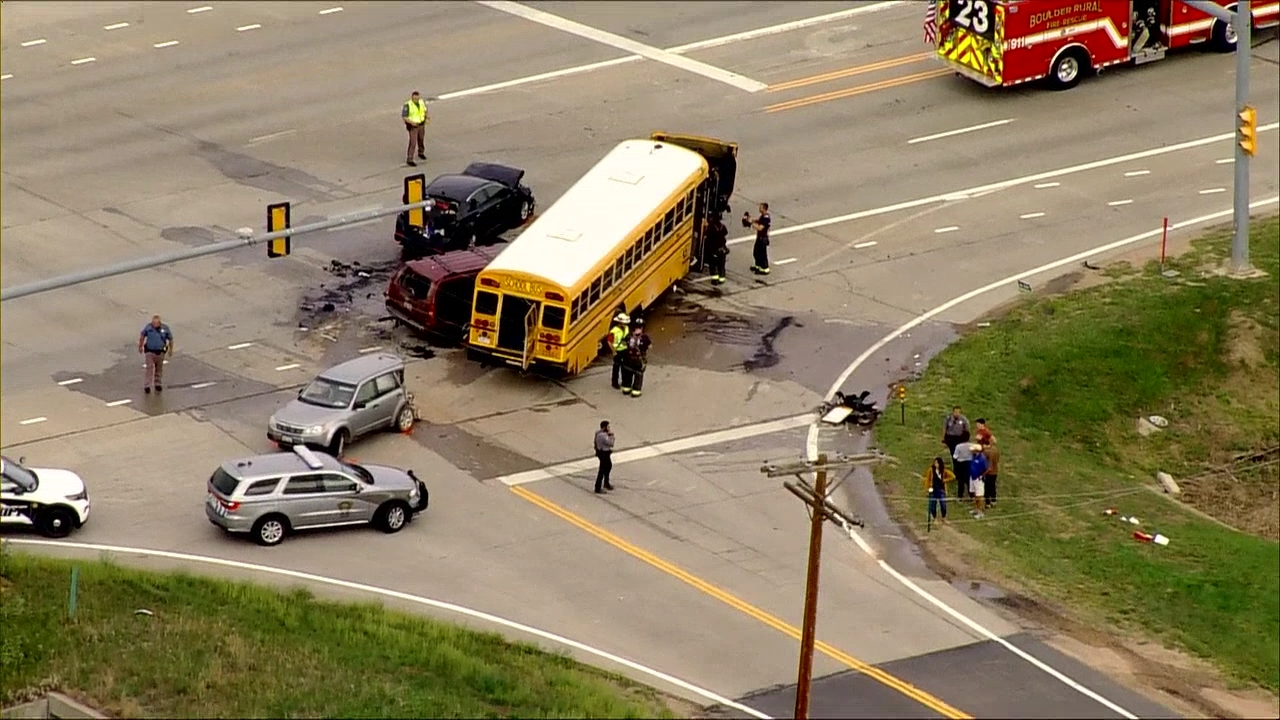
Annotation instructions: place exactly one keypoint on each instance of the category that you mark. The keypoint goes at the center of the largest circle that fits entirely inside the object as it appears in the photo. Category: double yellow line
(742, 606)
(857, 90)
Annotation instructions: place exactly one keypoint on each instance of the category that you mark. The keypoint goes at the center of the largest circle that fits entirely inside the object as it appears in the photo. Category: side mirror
(359, 405)
(22, 459)
(471, 204)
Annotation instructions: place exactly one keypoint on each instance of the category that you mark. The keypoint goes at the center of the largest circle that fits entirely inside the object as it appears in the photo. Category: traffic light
(1248, 130)
(415, 192)
(277, 220)
(902, 392)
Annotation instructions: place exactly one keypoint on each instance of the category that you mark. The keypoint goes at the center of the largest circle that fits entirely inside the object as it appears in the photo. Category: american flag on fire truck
(931, 23)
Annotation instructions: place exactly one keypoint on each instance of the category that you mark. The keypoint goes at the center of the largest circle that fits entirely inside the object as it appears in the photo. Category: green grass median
(207, 648)
(1062, 381)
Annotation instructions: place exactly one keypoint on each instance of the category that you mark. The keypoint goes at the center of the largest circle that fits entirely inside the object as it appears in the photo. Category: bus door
(1148, 20)
(514, 334)
(530, 335)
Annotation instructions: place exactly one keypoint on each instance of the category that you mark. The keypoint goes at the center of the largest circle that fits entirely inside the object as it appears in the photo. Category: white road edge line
(115, 26)
(33, 43)
(1005, 184)
(165, 44)
(239, 346)
(33, 421)
(201, 386)
(1137, 173)
(330, 11)
(1031, 216)
(84, 60)
(118, 403)
(667, 447)
(417, 599)
(290, 366)
(677, 50)
(246, 28)
(1213, 191)
(961, 131)
(811, 442)
(72, 381)
(605, 37)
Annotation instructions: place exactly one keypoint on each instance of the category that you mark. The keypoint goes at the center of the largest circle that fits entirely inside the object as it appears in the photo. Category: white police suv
(54, 502)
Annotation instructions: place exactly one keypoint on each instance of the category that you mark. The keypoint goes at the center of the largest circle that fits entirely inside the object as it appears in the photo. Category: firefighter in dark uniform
(637, 358)
(759, 251)
(716, 247)
(618, 346)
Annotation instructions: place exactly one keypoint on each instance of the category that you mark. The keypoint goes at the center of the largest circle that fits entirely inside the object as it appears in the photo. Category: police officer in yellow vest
(618, 344)
(414, 114)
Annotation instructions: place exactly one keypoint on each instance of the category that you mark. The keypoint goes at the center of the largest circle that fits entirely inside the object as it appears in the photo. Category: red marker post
(1164, 239)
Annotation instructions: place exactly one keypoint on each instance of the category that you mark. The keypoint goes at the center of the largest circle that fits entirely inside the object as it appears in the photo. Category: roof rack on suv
(308, 457)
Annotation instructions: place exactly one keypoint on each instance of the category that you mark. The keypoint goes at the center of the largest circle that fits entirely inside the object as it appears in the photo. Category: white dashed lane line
(947, 229)
(1118, 203)
(961, 131)
(247, 28)
(290, 366)
(6, 76)
(1044, 186)
(33, 43)
(863, 245)
(330, 11)
(165, 44)
(1137, 173)
(1213, 191)
(33, 421)
(1031, 216)
(375, 348)
(784, 262)
(202, 8)
(85, 60)
(201, 386)
(115, 26)
(72, 381)
(1224, 161)
(239, 346)
(118, 403)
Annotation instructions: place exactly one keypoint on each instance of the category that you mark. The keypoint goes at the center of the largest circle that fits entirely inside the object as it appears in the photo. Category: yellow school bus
(614, 242)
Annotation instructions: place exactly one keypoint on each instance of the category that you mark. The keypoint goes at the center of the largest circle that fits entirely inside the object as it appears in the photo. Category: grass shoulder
(1062, 380)
(211, 648)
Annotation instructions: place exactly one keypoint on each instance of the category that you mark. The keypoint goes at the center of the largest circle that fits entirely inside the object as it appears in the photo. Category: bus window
(689, 198)
(595, 292)
(577, 309)
(553, 317)
(630, 257)
(680, 210)
(608, 277)
(486, 303)
(617, 269)
(668, 222)
(649, 239)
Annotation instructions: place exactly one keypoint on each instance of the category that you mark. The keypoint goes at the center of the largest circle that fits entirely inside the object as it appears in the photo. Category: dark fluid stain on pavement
(471, 453)
(766, 356)
(277, 179)
(124, 381)
(189, 235)
(358, 293)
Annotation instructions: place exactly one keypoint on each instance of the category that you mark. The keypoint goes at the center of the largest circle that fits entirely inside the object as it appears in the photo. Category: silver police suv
(270, 496)
(345, 402)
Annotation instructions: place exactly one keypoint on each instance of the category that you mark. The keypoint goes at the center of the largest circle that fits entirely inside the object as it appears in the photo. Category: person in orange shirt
(936, 477)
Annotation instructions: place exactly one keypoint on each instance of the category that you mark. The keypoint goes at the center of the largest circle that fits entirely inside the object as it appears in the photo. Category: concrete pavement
(304, 108)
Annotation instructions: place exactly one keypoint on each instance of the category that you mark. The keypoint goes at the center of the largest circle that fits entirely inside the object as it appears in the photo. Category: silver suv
(270, 496)
(345, 402)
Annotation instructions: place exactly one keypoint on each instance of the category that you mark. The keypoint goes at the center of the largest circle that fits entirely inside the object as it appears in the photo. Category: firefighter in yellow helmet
(618, 345)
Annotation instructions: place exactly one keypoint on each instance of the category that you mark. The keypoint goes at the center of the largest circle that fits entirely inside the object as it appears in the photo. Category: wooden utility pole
(816, 498)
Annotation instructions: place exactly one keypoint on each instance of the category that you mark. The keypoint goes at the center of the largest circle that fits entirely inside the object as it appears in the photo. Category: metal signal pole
(816, 498)
(1240, 241)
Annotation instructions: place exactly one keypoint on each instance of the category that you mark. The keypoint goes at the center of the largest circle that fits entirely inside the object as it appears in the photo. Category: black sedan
(473, 206)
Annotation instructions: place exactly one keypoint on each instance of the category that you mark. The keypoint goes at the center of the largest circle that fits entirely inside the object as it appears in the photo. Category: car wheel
(404, 419)
(526, 210)
(270, 530)
(393, 516)
(1068, 69)
(1223, 36)
(55, 522)
(339, 443)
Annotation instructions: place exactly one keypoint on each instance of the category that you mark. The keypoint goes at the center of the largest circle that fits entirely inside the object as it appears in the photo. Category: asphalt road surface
(132, 129)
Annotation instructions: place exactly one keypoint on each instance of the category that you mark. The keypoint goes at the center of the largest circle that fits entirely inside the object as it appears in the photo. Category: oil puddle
(766, 356)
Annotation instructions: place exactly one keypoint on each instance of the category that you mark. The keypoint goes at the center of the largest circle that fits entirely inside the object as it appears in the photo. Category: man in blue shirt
(154, 342)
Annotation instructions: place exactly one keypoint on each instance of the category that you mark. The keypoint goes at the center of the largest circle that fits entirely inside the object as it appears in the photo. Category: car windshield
(24, 477)
(358, 470)
(327, 393)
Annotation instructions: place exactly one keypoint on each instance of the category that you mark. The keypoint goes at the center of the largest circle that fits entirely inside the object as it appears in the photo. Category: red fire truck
(1009, 42)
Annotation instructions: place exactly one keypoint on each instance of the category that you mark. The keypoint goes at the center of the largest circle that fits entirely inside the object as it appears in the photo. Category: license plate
(291, 439)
